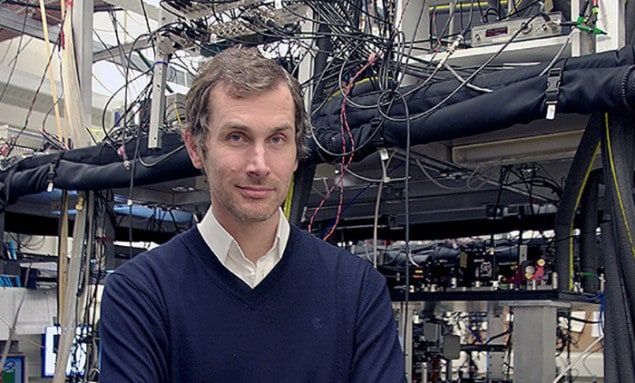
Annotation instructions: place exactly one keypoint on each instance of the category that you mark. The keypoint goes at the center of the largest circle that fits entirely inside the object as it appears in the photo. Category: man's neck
(254, 238)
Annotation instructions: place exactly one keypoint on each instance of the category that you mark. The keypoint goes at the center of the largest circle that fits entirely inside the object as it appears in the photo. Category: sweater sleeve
(133, 336)
(378, 356)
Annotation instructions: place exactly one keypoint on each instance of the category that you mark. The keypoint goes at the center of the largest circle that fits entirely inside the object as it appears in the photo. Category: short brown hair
(244, 72)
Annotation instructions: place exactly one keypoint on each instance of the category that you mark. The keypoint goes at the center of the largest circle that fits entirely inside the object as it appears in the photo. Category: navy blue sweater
(175, 314)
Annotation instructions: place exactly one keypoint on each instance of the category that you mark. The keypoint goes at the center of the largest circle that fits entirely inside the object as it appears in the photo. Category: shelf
(522, 52)
(37, 311)
(487, 300)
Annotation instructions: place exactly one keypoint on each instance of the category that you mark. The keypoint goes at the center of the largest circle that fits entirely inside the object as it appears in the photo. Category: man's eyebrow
(283, 128)
(245, 128)
(234, 126)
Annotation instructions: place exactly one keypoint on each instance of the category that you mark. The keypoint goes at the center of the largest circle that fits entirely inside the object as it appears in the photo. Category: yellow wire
(286, 209)
(577, 203)
(338, 92)
(517, 6)
(467, 5)
(176, 110)
(615, 183)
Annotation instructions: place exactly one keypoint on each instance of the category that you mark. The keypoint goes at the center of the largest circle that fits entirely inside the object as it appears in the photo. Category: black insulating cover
(592, 83)
(97, 168)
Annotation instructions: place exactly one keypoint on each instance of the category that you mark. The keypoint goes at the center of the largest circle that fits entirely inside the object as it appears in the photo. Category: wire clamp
(553, 89)
(51, 175)
(377, 125)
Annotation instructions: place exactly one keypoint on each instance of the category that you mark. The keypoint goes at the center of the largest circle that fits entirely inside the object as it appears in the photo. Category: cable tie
(121, 151)
(159, 62)
(51, 175)
(79, 206)
(553, 89)
(383, 154)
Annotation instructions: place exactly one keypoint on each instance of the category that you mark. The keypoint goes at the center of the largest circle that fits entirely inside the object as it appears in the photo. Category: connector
(451, 49)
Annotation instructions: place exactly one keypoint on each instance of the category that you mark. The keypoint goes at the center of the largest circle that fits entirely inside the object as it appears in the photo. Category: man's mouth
(256, 192)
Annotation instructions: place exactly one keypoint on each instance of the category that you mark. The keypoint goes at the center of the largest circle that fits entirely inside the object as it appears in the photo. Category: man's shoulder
(167, 255)
(317, 249)
(310, 244)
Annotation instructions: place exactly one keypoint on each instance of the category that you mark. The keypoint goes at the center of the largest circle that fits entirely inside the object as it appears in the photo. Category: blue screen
(14, 370)
(77, 358)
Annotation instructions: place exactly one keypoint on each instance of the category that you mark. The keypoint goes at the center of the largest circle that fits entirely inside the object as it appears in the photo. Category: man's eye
(235, 137)
(277, 139)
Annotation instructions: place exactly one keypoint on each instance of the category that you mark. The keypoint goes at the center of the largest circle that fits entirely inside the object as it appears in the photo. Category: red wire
(345, 162)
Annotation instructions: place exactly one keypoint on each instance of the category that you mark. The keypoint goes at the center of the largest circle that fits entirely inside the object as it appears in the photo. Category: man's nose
(258, 164)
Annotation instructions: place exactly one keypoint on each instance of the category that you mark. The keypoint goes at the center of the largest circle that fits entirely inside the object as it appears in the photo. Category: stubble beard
(246, 210)
(245, 214)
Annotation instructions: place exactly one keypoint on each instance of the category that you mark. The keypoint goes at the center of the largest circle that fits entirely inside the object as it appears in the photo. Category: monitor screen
(77, 358)
(14, 370)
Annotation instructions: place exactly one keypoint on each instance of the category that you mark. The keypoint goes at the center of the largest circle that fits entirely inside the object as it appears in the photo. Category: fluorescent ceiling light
(544, 147)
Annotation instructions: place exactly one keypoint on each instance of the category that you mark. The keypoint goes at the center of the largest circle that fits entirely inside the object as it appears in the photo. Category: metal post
(82, 12)
(303, 180)
(495, 360)
(534, 341)
(404, 319)
(157, 115)
(70, 301)
(159, 71)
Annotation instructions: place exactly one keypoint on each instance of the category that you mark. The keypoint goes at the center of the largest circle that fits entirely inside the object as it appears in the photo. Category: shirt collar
(220, 241)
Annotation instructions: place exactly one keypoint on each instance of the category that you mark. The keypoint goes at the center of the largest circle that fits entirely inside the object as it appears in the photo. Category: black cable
(107, 134)
(162, 158)
(119, 45)
(35, 94)
(504, 174)
(518, 12)
(468, 27)
(8, 49)
(446, 26)
(147, 20)
(500, 335)
(129, 59)
(54, 141)
(466, 80)
(406, 195)
(586, 321)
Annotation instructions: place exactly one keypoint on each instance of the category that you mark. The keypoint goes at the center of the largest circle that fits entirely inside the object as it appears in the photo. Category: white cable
(376, 222)
(559, 53)
(384, 178)
(585, 354)
(431, 179)
(467, 84)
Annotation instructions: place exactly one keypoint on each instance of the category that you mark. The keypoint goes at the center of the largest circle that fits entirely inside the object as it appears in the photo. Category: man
(244, 296)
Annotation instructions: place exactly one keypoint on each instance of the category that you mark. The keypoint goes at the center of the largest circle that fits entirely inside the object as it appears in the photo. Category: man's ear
(192, 149)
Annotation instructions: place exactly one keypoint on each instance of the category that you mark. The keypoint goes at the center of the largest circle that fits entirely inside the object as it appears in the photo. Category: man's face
(250, 154)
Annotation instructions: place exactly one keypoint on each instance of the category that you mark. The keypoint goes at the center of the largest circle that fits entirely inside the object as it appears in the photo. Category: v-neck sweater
(176, 314)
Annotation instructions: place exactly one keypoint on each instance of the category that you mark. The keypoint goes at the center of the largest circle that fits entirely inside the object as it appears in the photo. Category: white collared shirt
(230, 255)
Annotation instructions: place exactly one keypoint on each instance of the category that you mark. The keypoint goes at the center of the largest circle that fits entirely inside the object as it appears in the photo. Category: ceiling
(17, 18)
